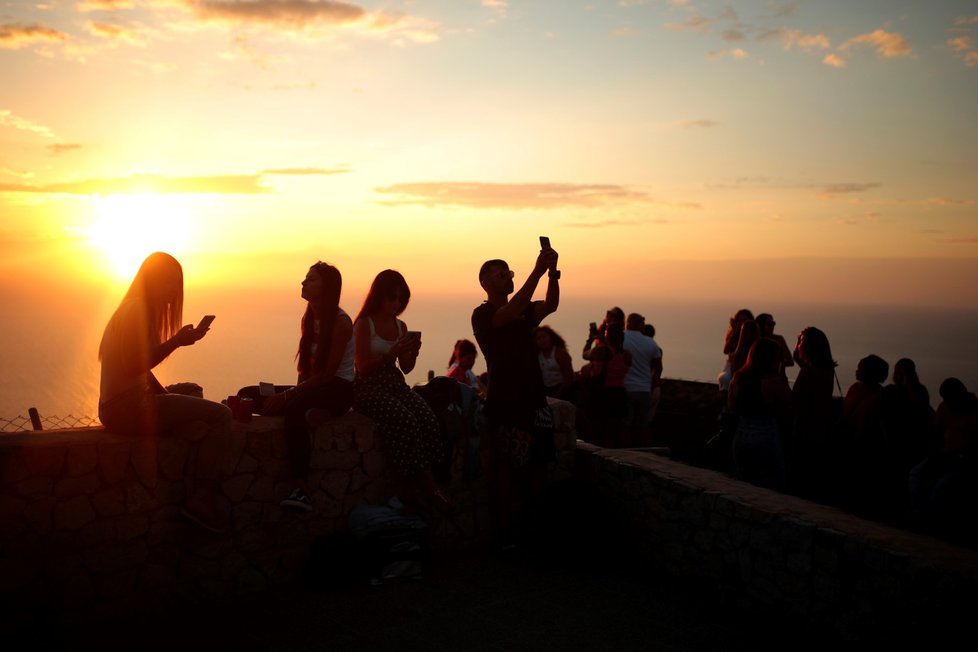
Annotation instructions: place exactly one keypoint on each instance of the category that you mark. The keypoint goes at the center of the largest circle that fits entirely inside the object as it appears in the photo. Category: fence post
(35, 419)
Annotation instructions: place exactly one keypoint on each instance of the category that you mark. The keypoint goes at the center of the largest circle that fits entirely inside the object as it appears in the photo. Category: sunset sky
(687, 148)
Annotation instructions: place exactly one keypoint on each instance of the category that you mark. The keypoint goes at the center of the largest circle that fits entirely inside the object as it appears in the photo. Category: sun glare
(127, 228)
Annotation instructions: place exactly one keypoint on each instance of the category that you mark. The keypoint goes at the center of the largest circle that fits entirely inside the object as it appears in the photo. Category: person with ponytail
(326, 371)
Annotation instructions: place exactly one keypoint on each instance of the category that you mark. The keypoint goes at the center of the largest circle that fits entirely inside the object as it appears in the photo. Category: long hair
(558, 341)
(814, 344)
(462, 348)
(385, 284)
(733, 329)
(750, 332)
(164, 315)
(326, 307)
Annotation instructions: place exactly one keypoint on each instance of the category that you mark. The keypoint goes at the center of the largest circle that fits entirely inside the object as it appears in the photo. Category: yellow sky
(656, 142)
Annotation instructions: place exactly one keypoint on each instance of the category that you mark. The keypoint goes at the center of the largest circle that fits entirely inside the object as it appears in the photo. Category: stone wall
(779, 554)
(91, 518)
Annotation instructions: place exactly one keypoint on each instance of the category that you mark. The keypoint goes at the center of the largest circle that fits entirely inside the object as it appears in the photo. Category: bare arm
(515, 306)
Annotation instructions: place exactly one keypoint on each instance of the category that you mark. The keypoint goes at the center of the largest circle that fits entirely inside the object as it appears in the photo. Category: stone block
(364, 439)
(358, 480)
(35, 486)
(113, 460)
(98, 532)
(13, 468)
(336, 460)
(75, 486)
(259, 446)
(107, 559)
(262, 488)
(139, 500)
(73, 513)
(795, 534)
(343, 440)
(375, 464)
(131, 527)
(335, 483)
(280, 446)
(10, 506)
(276, 468)
(145, 460)
(82, 459)
(110, 502)
(246, 515)
(38, 514)
(45, 459)
(376, 493)
(236, 488)
(247, 464)
(250, 540)
(329, 507)
(173, 457)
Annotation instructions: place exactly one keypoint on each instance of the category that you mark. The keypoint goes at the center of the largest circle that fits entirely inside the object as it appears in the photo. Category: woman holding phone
(385, 351)
(325, 365)
(144, 330)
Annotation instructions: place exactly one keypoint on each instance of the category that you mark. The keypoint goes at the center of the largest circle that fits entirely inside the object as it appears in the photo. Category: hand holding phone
(205, 323)
(544, 242)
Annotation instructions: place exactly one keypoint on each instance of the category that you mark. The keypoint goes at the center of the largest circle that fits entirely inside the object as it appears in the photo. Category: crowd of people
(881, 451)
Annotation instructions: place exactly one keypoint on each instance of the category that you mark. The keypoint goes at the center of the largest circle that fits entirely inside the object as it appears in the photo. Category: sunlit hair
(750, 332)
(815, 349)
(617, 315)
(733, 329)
(558, 341)
(326, 309)
(461, 349)
(385, 284)
(164, 315)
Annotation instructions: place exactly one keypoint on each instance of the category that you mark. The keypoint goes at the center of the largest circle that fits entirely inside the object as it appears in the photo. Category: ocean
(49, 358)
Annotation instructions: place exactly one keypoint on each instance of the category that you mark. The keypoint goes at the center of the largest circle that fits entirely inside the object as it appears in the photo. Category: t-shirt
(515, 383)
(643, 349)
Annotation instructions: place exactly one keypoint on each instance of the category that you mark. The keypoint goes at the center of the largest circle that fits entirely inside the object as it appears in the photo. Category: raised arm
(516, 305)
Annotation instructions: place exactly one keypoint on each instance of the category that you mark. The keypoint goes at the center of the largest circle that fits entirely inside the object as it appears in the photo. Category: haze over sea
(49, 355)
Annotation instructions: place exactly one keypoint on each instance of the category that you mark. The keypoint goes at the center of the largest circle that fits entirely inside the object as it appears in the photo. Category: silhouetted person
(144, 330)
(614, 315)
(944, 487)
(644, 373)
(765, 322)
(460, 364)
(761, 400)
(730, 341)
(555, 363)
(326, 371)
(811, 456)
(520, 418)
(649, 331)
(862, 437)
(385, 351)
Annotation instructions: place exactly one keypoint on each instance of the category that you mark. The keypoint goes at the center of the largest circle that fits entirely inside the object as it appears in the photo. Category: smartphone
(594, 329)
(544, 242)
(414, 335)
(205, 323)
(265, 389)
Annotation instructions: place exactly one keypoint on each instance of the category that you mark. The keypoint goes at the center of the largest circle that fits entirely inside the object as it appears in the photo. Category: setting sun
(127, 228)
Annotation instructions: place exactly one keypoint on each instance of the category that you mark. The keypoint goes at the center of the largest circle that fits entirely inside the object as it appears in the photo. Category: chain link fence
(23, 423)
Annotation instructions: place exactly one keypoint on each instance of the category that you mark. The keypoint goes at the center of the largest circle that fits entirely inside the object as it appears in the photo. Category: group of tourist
(344, 363)
(881, 451)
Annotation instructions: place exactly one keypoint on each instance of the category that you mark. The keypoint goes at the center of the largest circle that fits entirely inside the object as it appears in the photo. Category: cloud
(113, 32)
(294, 14)
(103, 5)
(887, 44)
(496, 4)
(14, 36)
(600, 224)
(831, 190)
(960, 43)
(790, 38)
(971, 59)
(735, 53)
(625, 32)
(732, 35)
(961, 239)
(306, 171)
(149, 183)
(786, 10)
(8, 119)
(966, 20)
(834, 60)
(694, 124)
(509, 195)
(61, 148)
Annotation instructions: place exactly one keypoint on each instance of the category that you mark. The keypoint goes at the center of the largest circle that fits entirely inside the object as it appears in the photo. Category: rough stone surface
(100, 512)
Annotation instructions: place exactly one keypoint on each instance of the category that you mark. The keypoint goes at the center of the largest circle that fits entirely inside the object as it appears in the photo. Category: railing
(31, 422)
